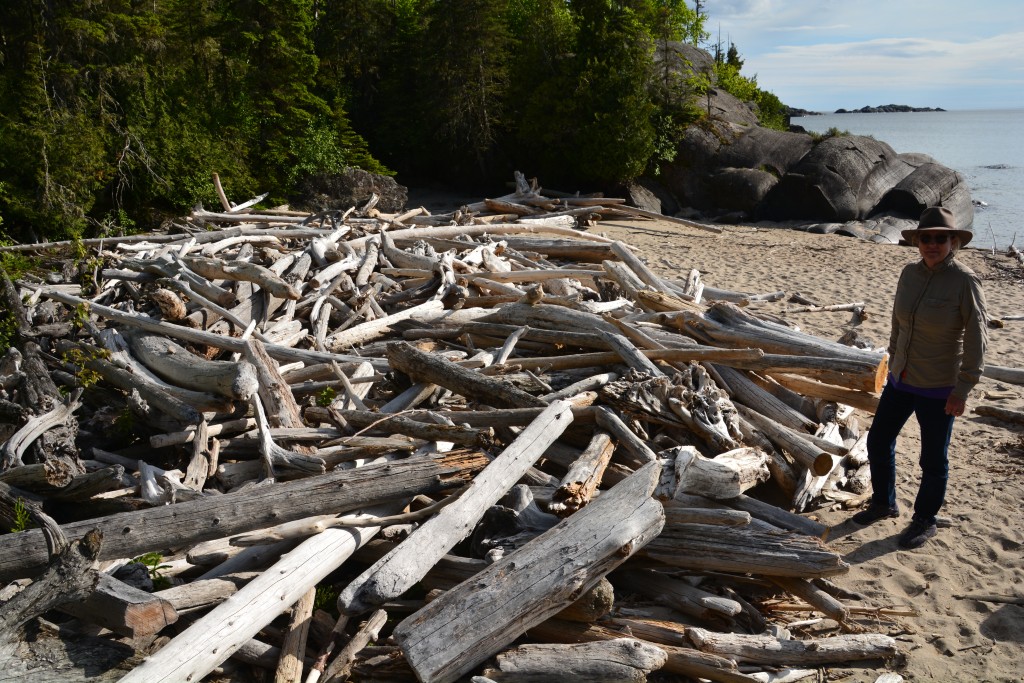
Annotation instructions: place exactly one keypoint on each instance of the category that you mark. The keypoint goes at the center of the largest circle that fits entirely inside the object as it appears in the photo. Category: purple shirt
(934, 392)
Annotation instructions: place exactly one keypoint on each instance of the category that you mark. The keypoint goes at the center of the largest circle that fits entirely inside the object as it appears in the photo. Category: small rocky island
(887, 108)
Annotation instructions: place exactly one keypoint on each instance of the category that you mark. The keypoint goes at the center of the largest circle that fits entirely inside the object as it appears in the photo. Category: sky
(823, 55)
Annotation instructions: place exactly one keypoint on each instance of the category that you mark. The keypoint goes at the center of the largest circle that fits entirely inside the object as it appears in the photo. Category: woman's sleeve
(975, 337)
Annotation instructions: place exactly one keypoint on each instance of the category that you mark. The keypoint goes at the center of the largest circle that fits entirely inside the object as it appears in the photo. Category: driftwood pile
(499, 445)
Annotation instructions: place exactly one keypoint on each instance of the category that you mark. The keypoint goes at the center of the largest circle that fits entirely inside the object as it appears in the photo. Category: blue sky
(823, 55)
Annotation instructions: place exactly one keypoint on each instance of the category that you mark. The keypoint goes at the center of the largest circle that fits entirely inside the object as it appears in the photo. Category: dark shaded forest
(115, 113)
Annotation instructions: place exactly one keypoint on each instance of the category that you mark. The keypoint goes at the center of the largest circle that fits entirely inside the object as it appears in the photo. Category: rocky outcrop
(351, 187)
(730, 166)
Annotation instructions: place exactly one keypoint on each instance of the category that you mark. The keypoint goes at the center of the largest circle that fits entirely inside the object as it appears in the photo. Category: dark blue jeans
(894, 409)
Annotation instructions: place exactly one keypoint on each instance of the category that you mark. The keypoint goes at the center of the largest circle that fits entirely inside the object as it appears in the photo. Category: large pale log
(409, 562)
(375, 329)
(861, 400)
(1004, 374)
(766, 649)
(460, 629)
(128, 534)
(624, 659)
(177, 365)
(725, 476)
(603, 359)
(435, 369)
(202, 594)
(209, 641)
(744, 550)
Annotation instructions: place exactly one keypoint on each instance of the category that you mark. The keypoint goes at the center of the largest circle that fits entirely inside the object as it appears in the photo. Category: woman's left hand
(955, 406)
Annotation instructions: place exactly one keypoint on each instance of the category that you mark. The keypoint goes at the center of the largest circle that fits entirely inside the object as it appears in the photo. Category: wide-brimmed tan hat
(938, 218)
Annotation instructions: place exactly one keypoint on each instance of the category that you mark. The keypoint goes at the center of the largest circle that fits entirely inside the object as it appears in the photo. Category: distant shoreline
(881, 109)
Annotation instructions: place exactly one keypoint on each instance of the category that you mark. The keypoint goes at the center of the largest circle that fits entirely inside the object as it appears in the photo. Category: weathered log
(814, 596)
(743, 550)
(177, 365)
(809, 387)
(1013, 416)
(725, 476)
(375, 329)
(744, 390)
(451, 635)
(622, 659)
(766, 649)
(682, 659)
(368, 632)
(200, 595)
(436, 370)
(369, 422)
(123, 609)
(130, 533)
(293, 646)
(409, 562)
(676, 593)
(584, 476)
(212, 639)
(801, 448)
(216, 269)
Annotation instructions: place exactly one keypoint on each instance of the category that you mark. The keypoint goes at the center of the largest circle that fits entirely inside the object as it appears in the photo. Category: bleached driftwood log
(766, 649)
(451, 635)
(725, 476)
(177, 365)
(624, 659)
(410, 561)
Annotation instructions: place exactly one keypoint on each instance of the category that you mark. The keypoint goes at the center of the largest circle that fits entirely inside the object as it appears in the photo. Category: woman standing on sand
(937, 354)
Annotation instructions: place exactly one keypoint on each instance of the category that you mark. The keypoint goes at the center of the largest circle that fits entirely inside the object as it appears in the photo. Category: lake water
(986, 146)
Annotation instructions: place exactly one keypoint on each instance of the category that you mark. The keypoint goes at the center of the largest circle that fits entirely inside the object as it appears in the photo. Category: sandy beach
(950, 638)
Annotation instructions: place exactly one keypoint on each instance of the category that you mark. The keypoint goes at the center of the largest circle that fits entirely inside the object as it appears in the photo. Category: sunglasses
(940, 238)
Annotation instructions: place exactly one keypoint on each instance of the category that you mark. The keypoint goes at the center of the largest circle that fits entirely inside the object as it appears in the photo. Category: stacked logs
(507, 446)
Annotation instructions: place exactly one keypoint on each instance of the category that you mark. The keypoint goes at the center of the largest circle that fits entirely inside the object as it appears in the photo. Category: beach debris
(456, 430)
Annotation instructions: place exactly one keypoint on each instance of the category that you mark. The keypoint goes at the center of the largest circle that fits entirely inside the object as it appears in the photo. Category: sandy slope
(950, 639)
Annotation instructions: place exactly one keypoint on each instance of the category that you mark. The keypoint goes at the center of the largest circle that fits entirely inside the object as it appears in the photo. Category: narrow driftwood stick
(276, 351)
(293, 648)
(375, 329)
(408, 563)
(816, 597)
(456, 632)
(368, 632)
(216, 269)
(603, 359)
(369, 422)
(609, 420)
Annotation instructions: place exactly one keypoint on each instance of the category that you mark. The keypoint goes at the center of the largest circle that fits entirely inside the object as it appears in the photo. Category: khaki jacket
(939, 331)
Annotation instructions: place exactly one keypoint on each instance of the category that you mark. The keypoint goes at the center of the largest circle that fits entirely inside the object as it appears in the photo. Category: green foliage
(326, 598)
(832, 132)
(79, 359)
(154, 563)
(22, 519)
(326, 397)
(771, 111)
(115, 114)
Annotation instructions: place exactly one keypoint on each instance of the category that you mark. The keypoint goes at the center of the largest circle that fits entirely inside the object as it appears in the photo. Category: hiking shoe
(874, 513)
(916, 534)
